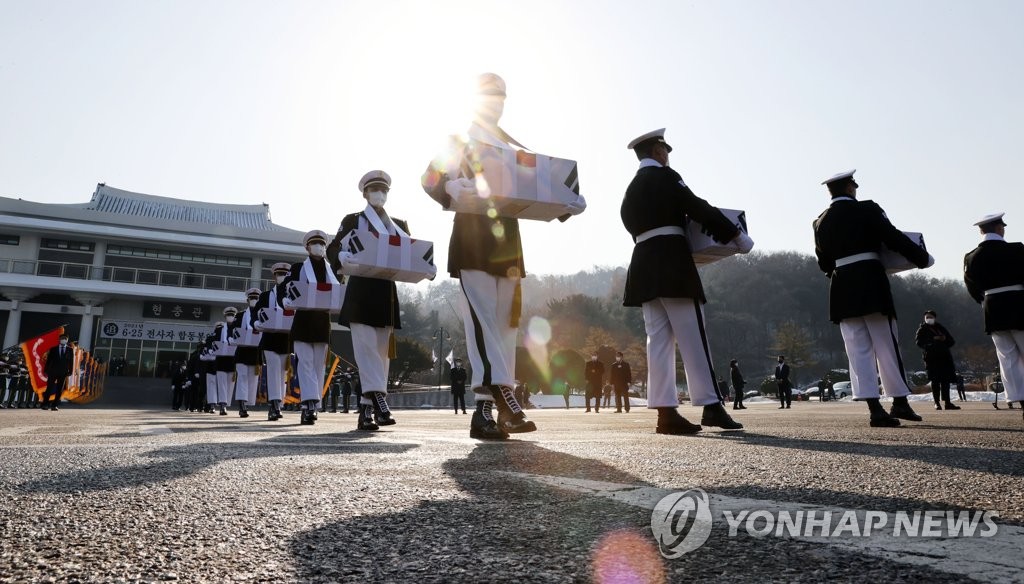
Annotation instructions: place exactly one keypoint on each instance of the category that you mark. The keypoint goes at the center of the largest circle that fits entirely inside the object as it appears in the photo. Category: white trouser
(677, 320)
(370, 347)
(490, 337)
(1010, 351)
(247, 381)
(211, 388)
(312, 358)
(873, 351)
(225, 387)
(276, 382)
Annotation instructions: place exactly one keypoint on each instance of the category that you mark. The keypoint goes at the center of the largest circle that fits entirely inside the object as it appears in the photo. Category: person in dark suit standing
(276, 345)
(594, 374)
(663, 280)
(620, 377)
(848, 240)
(782, 381)
(486, 255)
(458, 376)
(994, 275)
(311, 329)
(935, 342)
(179, 385)
(371, 309)
(59, 362)
(738, 383)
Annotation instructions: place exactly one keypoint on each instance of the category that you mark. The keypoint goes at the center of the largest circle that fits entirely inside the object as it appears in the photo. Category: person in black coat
(458, 377)
(486, 255)
(179, 385)
(594, 374)
(738, 383)
(620, 377)
(276, 345)
(311, 329)
(59, 362)
(663, 280)
(782, 381)
(196, 379)
(994, 275)
(935, 342)
(849, 237)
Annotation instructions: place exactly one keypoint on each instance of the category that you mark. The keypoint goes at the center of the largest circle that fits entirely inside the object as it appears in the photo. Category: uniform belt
(1013, 288)
(859, 257)
(666, 230)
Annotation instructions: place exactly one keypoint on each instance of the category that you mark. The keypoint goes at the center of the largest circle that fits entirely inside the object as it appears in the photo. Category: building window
(197, 258)
(9, 239)
(69, 245)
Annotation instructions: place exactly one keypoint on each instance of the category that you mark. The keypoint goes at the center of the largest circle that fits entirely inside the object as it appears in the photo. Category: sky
(290, 103)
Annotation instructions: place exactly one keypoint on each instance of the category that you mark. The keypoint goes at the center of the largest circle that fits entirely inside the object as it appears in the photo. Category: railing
(128, 275)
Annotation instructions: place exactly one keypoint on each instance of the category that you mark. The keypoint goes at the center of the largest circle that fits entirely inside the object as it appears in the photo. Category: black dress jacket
(995, 264)
(311, 326)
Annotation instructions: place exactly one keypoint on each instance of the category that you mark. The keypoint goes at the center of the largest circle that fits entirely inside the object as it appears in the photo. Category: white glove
(433, 272)
(743, 242)
(287, 303)
(460, 187)
(576, 207)
(931, 261)
(345, 257)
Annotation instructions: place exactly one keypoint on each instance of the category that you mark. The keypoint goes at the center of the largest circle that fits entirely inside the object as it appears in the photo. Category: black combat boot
(366, 419)
(381, 412)
(482, 425)
(901, 409)
(511, 418)
(715, 415)
(223, 409)
(879, 417)
(242, 412)
(274, 413)
(670, 422)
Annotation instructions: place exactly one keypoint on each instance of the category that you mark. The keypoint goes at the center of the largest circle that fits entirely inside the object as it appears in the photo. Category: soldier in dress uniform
(179, 380)
(225, 364)
(371, 308)
(247, 359)
(209, 371)
(994, 275)
(663, 280)
(196, 374)
(486, 255)
(848, 238)
(311, 329)
(275, 345)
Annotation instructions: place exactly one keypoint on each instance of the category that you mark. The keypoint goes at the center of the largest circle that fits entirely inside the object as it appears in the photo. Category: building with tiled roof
(135, 278)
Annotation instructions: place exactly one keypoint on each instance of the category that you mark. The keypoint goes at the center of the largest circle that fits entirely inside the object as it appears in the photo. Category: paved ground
(121, 495)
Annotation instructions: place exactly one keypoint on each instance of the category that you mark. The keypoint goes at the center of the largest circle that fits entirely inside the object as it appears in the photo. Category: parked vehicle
(752, 393)
(842, 389)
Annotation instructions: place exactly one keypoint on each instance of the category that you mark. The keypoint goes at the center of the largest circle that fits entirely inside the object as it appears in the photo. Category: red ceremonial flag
(35, 350)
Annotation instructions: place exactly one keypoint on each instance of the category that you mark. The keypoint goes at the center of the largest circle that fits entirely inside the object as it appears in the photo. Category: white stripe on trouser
(1010, 351)
(370, 347)
(872, 349)
(276, 363)
(225, 387)
(211, 388)
(312, 359)
(490, 340)
(669, 321)
(247, 381)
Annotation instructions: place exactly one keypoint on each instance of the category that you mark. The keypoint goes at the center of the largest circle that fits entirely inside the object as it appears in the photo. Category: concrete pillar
(16, 296)
(88, 318)
(255, 280)
(98, 259)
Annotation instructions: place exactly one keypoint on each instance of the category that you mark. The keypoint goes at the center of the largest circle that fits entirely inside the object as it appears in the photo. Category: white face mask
(252, 302)
(317, 250)
(279, 279)
(63, 342)
(229, 319)
(618, 359)
(929, 320)
(377, 198)
(593, 359)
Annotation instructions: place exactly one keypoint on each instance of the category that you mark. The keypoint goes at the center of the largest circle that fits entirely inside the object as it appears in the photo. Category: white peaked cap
(840, 176)
(658, 135)
(992, 218)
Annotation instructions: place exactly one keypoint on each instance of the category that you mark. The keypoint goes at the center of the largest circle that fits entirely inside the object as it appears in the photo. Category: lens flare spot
(498, 230)
(625, 556)
(539, 330)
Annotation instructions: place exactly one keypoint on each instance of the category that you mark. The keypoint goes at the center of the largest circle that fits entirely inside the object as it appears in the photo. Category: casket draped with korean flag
(223, 349)
(518, 183)
(207, 355)
(318, 296)
(274, 321)
(705, 249)
(392, 257)
(245, 337)
(895, 262)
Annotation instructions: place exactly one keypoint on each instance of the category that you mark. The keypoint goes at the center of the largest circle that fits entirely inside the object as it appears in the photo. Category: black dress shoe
(52, 408)
(715, 415)
(939, 407)
(782, 407)
(482, 426)
(223, 410)
(950, 406)
(904, 412)
(743, 407)
(670, 422)
(365, 422)
(307, 418)
(381, 411)
(883, 420)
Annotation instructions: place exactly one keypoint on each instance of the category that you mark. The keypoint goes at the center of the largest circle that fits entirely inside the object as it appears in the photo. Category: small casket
(895, 262)
(316, 296)
(222, 349)
(401, 259)
(275, 321)
(705, 249)
(207, 355)
(518, 183)
(245, 337)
